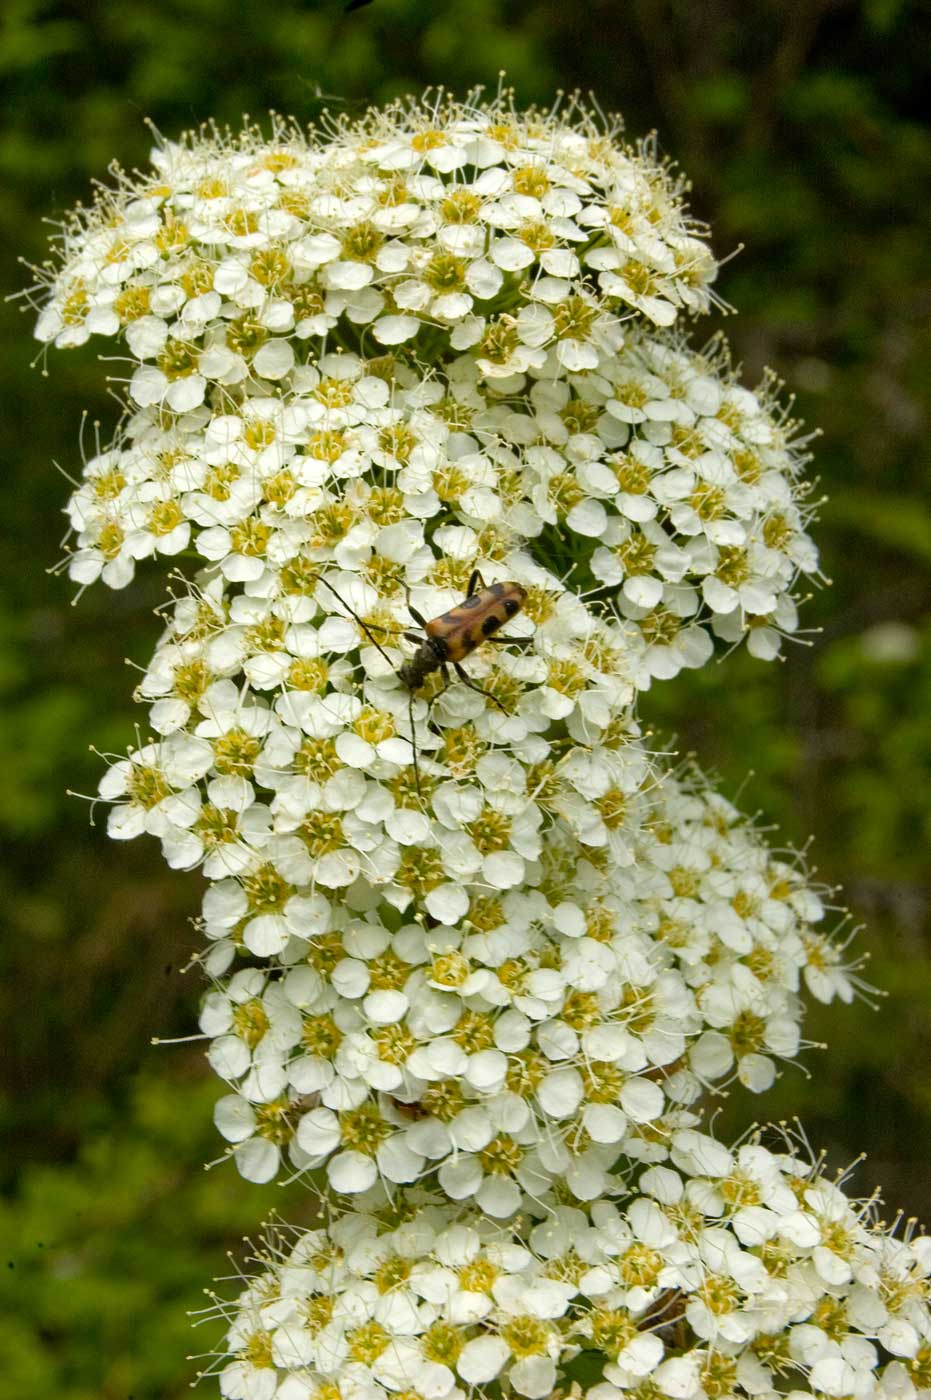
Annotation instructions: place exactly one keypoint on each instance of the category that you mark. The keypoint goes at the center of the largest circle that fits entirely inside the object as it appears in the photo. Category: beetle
(454, 635)
(448, 639)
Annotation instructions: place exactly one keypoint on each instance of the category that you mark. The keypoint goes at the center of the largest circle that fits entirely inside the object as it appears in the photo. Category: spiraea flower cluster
(742, 1273)
(450, 316)
(422, 218)
(475, 952)
(523, 1036)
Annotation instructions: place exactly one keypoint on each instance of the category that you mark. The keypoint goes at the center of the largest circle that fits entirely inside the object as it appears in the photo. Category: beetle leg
(444, 672)
(474, 579)
(417, 616)
(508, 641)
(473, 685)
(413, 637)
(413, 742)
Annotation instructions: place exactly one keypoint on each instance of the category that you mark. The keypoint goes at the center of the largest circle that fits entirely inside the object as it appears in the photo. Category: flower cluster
(489, 940)
(441, 316)
(510, 1037)
(656, 480)
(475, 953)
(445, 227)
(741, 1273)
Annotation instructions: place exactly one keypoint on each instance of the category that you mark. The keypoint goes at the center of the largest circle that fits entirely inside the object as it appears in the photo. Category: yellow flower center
(362, 242)
(421, 870)
(235, 753)
(612, 1331)
(502, 1156)
(388, 972)
(363, 1129)
(428, 140)
(474, 1031)
(321, 1036)
(178, 359)
(777, 532)
(147, 785)
(719, 1294)
(267, 635)
(491, 831)
(747, 1035)
(450, 969)
(190, 681)
(707, 501)
(216, 826)
(279, 489)
(172, 235)
(273, 1122)
(526, 1336)
(444, 1099)
(259, 433)
(530, 180)
(250, 538)
(574, 318)
(637, 554)
(392, 1273)
(659, 627)
(478, 1275)
(245, 336)
(461, 207)
(309, 674)
(241, 222)
(733, 566)
(266, 890)
(640, 1266)
(322, 833)
(603, 1081)
(445, 273)
(367, 1343)
(132, 303)
(581, 1010)
(258, 1351)
(250, 1021)
(317, 759)
(395, 1044)
(219, 480)
(270, 266)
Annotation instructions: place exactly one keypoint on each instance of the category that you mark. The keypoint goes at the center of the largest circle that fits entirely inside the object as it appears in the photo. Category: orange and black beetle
(452, 636)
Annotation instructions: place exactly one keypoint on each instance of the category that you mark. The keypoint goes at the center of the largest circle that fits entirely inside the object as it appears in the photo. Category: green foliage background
(799, 123)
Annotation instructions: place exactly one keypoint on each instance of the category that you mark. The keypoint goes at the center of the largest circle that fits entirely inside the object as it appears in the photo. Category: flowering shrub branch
(474, 951)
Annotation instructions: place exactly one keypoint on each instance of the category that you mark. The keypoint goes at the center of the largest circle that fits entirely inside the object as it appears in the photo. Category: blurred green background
(800, 125)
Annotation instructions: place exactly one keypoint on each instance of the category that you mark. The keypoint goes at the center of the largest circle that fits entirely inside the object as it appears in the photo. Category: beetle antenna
(362, 623)
(375, 643)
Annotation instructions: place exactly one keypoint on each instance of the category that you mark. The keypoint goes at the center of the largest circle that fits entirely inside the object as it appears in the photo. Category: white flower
(153, 788)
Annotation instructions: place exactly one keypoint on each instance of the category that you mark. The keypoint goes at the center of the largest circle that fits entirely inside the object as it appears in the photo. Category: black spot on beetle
(473, 601)
(491, 624)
